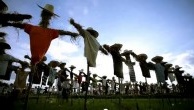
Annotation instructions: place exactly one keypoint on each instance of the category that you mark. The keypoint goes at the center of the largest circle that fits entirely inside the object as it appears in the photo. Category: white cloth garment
(171, 77)
(159, 70)
(65, 84)
(4, 59)
(91, 48)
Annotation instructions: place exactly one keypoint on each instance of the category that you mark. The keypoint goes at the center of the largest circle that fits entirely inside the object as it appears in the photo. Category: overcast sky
(154, 27)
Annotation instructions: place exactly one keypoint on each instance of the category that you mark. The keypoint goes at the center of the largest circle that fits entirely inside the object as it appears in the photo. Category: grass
(111, 104)
(100, 103)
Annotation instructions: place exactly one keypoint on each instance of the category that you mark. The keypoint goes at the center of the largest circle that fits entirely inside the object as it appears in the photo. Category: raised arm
(77, 26)
(103, 50)
(75, 75)
(73, 34)
(17, 25)
(68, 70)
(134, 55)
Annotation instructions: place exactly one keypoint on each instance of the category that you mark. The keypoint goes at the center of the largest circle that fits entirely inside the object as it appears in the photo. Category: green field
(53, 103)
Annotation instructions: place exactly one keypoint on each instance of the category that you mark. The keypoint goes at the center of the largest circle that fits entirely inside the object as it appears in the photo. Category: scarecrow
(171, 75)
(104, 84)
(158, 68)
(130, 64)
(113, 85)
(66, 88)
(75, 85)
(114, 50)
(6, 60)
(92, 46)
(178, 73)
(53, 72)
(91, 49)
(21, 76)
(79, 78)
(179, 77)
(41, 68)
(41, 36)
(10, 17)
(62, 73)
(72, 67)
(167, 66)
(94, 83)
(145, 68)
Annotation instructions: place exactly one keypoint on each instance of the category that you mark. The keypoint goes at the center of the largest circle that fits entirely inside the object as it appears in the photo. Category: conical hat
(168, 65)
(92, 31)
(72, 67)
(104, 77)
(54, 63)
(4, 44)
(163, 63)
(126, 53)
(116, 46)
(142, 57)
(177, 67)
(157, 59)
(49, 8)
(95, 75)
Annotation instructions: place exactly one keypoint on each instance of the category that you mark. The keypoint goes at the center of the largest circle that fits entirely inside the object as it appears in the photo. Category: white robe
(91, 48)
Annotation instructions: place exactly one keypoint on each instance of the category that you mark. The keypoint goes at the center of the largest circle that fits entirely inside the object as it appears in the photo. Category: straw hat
(95, 75)
(2, 34)
(163, 63)
(177, 67)
(126, 52)
(92, 31)
(25, 64)
(116, 46)
(44, 58)
(157, 59)
(168, 65)
(171, 69)
(142, 56)
(49, 8)
(82, 70)
(72, 67)
(62, 64)
(104, 77)
(54, 63)
(4, 44)
(3, 6)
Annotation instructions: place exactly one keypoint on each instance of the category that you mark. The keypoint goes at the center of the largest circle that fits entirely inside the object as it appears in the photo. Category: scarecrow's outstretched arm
(73, 34)
(68, 70)
(103, 50)
(100, 77)
(77, 26)
(17, 25)
(151, 66)
(75, 75)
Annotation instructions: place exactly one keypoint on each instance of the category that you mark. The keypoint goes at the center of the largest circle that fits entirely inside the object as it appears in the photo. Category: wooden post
(33, 71)
(119, 93)
(87, 85)
(71, 76)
